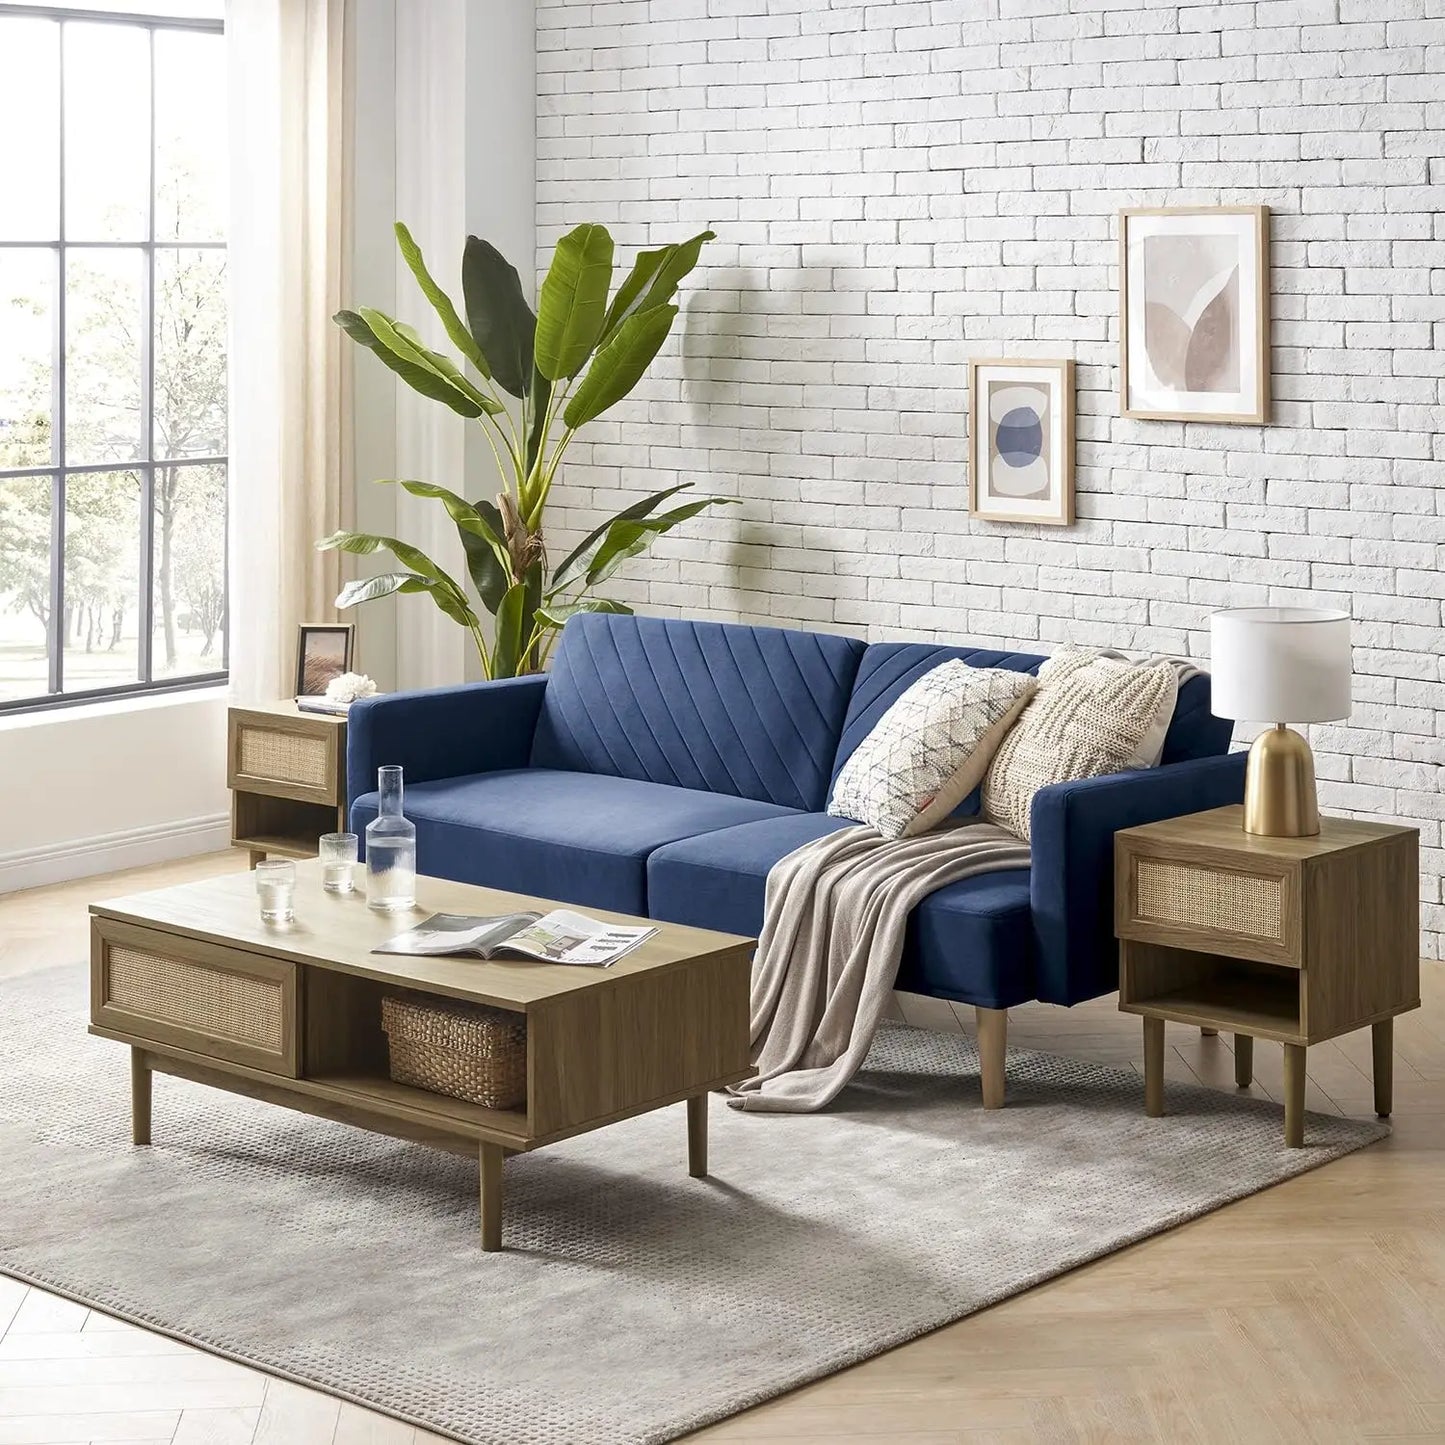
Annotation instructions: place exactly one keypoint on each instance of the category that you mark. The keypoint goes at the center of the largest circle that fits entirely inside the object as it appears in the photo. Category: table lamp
(1280, 665)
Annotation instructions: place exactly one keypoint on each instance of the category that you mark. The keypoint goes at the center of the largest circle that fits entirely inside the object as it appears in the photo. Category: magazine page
(450, 933)
(565, 937)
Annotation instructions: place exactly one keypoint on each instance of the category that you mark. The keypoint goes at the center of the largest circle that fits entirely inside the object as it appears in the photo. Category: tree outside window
(113, 364)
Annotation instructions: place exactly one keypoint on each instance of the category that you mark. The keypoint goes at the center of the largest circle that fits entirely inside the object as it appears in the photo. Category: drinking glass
(276, 887)
(338, 862)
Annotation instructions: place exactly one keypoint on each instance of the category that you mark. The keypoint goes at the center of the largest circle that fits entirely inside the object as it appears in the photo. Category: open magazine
(556, 937)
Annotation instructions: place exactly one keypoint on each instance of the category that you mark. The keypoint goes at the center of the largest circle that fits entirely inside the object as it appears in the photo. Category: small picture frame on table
(323, 652)
(1021, 441)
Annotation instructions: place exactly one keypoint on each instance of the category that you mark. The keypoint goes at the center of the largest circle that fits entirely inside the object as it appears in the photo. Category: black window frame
(57, 470)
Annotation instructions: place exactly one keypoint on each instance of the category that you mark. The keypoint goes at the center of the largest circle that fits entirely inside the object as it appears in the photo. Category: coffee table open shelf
(193, 981)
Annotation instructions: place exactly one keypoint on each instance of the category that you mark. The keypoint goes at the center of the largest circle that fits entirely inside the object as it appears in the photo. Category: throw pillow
(1093, 714)
(929, 750)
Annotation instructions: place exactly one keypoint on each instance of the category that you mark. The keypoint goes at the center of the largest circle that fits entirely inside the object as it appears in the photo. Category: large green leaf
(513, 625)
(619, 365)
(419, 375)
(556, 614)
(368, 589)
(536, 433)
(461, 338)
(574, 563)
(498, 314)
(644, 272)
(572, 303)
(481, 540)
(362, 543)
(653, 280)
(449, 369)
(626, 539)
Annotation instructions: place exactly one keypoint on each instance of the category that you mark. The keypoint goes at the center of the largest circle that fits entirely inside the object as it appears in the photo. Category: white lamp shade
(1280, 664)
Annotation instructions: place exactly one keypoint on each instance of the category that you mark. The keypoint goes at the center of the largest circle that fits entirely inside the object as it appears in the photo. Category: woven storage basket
(477, 1054)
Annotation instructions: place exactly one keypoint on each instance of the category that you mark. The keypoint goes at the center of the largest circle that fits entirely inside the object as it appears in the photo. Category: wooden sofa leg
(992, 1044)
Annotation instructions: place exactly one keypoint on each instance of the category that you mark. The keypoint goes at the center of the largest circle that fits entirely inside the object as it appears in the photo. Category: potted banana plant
(579, 354)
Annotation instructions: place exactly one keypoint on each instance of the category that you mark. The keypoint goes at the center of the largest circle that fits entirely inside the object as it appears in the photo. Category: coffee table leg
(489, 1158)
(140, 1098)
(697, 1136)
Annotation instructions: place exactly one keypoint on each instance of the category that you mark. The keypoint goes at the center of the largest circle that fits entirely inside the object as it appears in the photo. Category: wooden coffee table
(199, 987)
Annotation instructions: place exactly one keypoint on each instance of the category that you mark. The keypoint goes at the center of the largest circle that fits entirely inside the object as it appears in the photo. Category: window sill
(114, 707)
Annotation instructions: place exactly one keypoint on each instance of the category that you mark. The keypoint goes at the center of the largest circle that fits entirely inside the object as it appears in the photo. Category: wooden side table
(287, 773)
(1292, 939)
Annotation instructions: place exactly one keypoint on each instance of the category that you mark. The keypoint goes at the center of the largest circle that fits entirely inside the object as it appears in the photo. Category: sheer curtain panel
(291, 473)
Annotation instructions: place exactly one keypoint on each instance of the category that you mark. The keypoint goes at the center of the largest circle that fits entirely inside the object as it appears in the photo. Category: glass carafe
(390, 850)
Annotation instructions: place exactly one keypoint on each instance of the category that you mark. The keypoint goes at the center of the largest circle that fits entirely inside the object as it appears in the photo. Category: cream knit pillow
(1091, 715)
(927, 753)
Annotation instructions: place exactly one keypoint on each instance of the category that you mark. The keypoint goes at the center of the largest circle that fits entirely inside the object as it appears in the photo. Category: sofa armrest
(442, 732)
(1072, 877)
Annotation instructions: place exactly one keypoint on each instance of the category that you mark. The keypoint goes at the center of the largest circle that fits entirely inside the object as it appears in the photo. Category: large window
(112, 353)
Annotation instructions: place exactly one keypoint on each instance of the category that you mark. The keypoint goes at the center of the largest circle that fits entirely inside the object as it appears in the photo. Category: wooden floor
(1312, 1312)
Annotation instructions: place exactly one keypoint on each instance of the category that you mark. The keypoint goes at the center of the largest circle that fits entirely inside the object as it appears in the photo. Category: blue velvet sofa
(663, 766)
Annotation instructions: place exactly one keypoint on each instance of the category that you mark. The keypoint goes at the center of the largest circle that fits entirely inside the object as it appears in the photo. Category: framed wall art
(1194, 313)
(1021, 441)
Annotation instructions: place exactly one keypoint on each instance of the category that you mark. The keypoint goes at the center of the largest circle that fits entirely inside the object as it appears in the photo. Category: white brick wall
(899, 186)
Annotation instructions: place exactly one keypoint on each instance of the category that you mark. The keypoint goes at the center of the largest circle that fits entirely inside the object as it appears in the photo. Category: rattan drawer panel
(204, 1000)
(282, 757)
(1191, 896)
(212, 1001)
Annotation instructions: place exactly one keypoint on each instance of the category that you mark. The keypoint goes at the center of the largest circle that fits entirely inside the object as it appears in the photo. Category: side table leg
(140, 1098)
(1382, 1047)
(697, 1136)
(257, 855)
(1154, 1067)
(1243, 1060)
(489, 1158)
(1294, 1095)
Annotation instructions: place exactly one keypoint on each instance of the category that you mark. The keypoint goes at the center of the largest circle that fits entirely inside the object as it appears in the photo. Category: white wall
(114, 785)
(898, 187)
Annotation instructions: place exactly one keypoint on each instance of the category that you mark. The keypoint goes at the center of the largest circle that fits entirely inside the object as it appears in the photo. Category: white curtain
(290, 227)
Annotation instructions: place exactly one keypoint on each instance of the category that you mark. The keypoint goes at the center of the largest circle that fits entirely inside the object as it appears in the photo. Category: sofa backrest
(751, 711)
(890, 668)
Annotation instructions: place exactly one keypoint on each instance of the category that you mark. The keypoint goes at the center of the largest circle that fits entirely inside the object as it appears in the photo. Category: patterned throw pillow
(1092, 715)
(927, 753)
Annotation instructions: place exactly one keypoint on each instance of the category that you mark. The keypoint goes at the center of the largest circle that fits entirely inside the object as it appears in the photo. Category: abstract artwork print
(1195, 314)
(1021, 453)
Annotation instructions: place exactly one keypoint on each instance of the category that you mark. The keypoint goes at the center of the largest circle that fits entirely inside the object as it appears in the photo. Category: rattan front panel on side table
(1294, 940)
(287, 773)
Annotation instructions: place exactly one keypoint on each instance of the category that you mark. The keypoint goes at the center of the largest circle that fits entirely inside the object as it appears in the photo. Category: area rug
(631, 1303)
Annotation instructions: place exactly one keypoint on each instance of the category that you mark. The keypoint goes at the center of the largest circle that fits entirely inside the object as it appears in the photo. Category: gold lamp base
(1279, 786)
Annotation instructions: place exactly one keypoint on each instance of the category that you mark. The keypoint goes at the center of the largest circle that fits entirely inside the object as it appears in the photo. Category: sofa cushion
(752, 712)
(1091, 716)
(930, 749)
(887, 669)
(575, 837)
(971, 941)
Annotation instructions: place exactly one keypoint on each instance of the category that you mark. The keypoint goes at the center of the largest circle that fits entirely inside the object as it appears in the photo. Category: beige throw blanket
(833, 924)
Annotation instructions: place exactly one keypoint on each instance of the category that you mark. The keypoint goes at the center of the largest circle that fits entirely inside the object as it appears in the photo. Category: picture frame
(1027, 404)
(323, 652)
(1194, 305)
